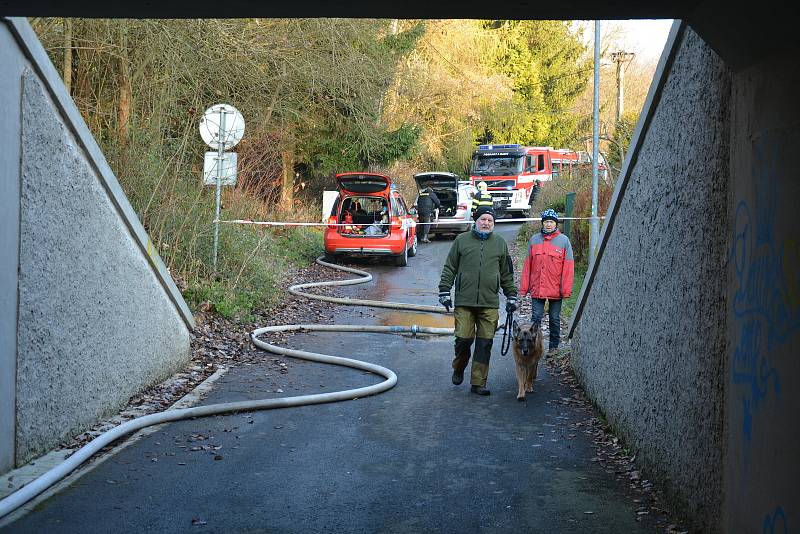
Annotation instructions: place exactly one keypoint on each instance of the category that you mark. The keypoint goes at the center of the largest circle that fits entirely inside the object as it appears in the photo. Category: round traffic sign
(222, 122)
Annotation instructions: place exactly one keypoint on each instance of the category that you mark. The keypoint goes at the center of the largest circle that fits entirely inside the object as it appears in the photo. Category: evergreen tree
(546, 61)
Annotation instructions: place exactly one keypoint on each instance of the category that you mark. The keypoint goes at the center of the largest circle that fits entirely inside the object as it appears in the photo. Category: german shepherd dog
(528, 348)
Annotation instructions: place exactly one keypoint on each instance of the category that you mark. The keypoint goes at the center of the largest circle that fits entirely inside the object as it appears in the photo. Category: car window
(352, 205)
(373, 204)
(397, 207)
(363, 205)
(403, 207)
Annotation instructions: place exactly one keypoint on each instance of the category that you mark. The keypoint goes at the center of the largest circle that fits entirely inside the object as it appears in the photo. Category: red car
(373, 219)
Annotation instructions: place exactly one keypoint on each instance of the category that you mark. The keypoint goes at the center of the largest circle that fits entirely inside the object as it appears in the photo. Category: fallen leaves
(217, 343)
(610, 452)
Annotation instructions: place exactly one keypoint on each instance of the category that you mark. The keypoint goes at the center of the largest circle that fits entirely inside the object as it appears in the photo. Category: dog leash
(504, 346)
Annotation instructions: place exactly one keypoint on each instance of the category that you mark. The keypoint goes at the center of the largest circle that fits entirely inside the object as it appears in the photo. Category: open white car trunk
(445, 185)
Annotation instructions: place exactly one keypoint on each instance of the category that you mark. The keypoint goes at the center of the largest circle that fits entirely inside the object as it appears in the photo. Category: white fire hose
(34, 488)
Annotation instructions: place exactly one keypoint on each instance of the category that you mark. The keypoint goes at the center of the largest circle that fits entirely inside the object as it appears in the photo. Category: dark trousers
(424, 226)
(554, 311)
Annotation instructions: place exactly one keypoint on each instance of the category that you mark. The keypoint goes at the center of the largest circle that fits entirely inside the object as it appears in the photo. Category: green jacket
(478, 268)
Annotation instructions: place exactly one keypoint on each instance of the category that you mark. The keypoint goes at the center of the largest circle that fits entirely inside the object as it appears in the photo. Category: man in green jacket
(479, 265)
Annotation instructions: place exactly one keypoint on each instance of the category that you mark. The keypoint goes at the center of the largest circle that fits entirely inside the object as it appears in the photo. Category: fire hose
(51, 477)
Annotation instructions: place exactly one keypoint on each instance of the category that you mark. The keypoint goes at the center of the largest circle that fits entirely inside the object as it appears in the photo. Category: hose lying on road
(37, 486)
(365, 277)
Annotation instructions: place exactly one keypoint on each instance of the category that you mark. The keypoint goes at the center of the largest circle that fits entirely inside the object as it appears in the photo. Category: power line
(571, 74)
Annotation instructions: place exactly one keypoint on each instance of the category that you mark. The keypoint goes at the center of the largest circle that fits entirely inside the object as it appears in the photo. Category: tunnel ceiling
(740, 35)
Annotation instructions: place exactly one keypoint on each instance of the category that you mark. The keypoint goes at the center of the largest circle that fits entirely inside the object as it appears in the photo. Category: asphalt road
(425, 456)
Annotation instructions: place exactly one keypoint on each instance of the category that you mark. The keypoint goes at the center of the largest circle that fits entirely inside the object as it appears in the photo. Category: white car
(455, 195)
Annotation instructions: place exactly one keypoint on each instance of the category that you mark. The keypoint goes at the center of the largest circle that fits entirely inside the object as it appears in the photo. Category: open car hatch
(436, 180)
(362, 183)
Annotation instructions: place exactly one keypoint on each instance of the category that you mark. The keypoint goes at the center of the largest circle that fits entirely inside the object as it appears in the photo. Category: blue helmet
(549, 214)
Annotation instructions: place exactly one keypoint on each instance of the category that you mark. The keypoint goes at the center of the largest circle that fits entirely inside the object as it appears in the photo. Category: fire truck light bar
(492, 147)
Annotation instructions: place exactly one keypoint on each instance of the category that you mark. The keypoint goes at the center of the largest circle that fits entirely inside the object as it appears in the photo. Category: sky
(645, 37)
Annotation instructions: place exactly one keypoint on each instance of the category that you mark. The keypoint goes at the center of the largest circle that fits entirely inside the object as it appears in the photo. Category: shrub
(583, 208)
(558, 205)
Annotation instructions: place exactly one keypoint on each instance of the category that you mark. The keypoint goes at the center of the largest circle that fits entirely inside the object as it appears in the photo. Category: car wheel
(401, 260)
(413, 250)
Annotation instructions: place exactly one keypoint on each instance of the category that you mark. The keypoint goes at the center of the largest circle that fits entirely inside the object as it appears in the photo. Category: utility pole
(595, 231)
(620, 58)
(68, 55)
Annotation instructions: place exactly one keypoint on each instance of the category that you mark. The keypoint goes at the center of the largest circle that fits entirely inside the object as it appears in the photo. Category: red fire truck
(515, 174)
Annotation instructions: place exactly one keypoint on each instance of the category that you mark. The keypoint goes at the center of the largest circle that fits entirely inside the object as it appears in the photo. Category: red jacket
(549, 268)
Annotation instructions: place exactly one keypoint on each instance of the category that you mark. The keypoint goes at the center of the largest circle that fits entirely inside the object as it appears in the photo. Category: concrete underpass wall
(650, 343)
(9, 243)
(762, 468)
(97, 316)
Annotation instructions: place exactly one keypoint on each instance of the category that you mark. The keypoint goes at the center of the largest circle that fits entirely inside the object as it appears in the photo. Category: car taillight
(396, 222)
(332, 222)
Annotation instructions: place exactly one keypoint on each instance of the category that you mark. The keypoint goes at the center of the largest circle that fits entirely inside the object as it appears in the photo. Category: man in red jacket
(548, 273)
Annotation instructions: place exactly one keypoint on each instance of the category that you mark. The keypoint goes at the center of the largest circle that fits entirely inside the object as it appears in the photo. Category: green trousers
(479, 324)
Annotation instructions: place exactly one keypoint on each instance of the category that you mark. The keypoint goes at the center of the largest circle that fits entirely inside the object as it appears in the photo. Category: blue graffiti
(765, 304)
(750, 367)
(775, 523)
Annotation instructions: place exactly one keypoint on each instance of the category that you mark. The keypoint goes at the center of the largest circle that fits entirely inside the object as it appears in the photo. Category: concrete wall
(762, 467)
(10, 89)
(692, 352)
(650, 343)
(97, 317)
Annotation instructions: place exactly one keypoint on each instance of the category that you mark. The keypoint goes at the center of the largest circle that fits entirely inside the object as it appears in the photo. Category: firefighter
(428, 205)
(479, 265)
(482, 198)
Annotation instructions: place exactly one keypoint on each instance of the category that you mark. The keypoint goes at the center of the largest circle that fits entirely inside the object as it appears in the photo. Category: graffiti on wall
(766, 299)
(775, 523)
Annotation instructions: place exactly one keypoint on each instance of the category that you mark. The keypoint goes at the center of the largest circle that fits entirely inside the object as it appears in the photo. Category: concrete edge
(33, 50)
(42, 464)
(639, 135)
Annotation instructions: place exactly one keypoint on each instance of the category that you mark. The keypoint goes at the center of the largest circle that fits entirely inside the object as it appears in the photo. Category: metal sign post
(220, 156)
(221, 127)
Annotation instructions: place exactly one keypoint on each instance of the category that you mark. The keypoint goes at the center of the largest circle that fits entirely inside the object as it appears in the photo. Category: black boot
(480, 390)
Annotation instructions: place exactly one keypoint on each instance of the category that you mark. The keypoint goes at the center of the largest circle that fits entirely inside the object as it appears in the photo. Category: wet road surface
(425, 456)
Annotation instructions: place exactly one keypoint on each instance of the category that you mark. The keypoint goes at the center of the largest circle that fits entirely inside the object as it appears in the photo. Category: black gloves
(444, 300)
(511, 305)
